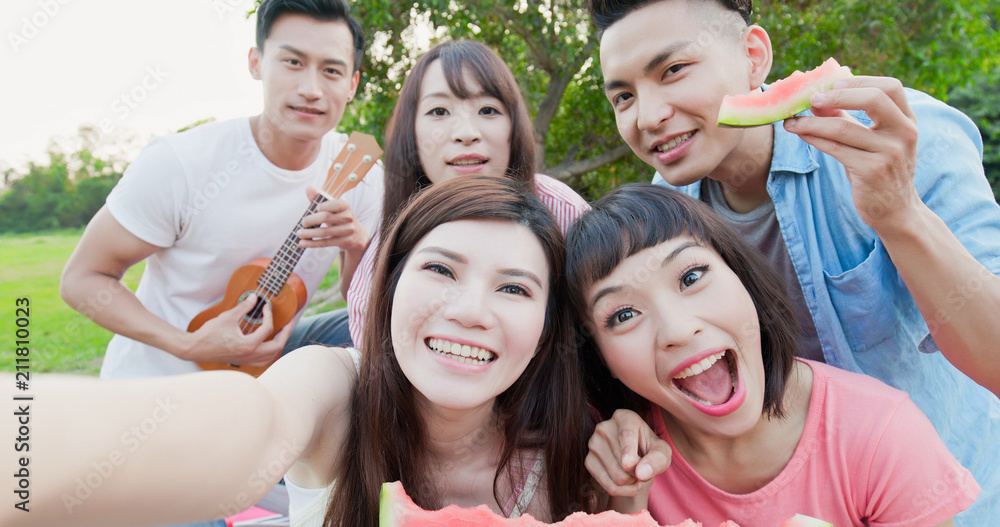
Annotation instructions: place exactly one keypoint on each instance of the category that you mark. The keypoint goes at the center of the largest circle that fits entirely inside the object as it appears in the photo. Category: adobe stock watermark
(31, 25)
(129, 100)
(131, 440)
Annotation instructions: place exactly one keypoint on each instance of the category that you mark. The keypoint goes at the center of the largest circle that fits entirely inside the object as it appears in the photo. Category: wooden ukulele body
(289, 300)
(272, 279)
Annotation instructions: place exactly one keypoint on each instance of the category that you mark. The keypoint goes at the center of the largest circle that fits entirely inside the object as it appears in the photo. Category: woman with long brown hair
(460, 112)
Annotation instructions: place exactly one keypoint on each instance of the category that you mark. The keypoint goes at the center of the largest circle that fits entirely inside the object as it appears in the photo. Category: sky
(132, 69)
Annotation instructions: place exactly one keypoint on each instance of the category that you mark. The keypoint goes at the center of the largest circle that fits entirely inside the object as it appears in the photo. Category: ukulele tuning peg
(367, 159)
(351, 148)
(353, 177)
(338, 166)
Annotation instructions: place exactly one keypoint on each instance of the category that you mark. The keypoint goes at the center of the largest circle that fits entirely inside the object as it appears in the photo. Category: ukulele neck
(347, 170)
(281, 266)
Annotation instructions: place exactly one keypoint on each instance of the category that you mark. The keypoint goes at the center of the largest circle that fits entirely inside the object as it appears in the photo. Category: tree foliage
(930, 45)
(980, 100)
(948, 48)
(65, 192)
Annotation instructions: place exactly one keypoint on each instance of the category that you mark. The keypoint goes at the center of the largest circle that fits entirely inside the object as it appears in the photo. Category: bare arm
(91, 284)
(174, 449)
(957, 296)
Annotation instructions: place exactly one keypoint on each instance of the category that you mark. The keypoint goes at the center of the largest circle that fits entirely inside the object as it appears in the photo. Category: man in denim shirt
(874, 207)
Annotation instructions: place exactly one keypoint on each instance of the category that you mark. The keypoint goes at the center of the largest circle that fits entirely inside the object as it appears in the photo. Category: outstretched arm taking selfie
(174, 449)
(901, 196)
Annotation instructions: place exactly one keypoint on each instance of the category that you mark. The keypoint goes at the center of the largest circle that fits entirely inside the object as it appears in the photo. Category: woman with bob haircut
(468, 392)
(460, 112)
(691, 359)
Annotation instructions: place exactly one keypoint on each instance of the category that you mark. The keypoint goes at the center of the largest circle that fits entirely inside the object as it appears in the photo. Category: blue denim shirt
(866, 318)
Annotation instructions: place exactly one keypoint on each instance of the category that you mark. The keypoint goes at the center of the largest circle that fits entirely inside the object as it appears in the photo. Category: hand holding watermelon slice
(782, 99)
(396, 509)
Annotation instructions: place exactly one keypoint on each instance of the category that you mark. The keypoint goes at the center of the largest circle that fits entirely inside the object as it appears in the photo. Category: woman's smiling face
(458, 137)
(675, 325)
(469, 310)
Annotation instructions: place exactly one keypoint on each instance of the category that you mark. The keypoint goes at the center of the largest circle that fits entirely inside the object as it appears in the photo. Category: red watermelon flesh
(396, 509)
(782, 99)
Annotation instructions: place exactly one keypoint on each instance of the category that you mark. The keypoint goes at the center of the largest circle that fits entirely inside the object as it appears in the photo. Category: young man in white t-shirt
(199, 204)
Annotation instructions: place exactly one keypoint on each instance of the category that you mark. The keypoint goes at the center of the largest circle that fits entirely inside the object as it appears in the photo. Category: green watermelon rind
(740, 110)
(385, 503)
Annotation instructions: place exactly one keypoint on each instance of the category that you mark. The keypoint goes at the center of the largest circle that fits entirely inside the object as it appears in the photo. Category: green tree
(930, 45)
(63, 193)
(980, 100)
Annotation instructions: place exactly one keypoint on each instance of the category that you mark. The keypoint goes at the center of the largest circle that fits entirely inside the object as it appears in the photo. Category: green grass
(61, 339)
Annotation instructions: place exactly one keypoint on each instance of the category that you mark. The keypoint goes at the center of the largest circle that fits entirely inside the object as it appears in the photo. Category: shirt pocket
(870, 301)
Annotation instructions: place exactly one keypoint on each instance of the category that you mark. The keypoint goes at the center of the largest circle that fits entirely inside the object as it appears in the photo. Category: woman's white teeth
(467, 162)
(669, 145)
(700, 366)
(461, 352)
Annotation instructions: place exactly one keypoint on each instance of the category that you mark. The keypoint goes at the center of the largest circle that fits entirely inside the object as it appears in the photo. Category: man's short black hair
(607, 12)
(324, 10)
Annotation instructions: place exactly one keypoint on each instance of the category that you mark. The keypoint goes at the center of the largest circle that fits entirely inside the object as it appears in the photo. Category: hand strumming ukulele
(272, 280)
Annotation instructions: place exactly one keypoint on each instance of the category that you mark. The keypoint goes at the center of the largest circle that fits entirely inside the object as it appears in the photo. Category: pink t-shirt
(867, 453)
(566, 206)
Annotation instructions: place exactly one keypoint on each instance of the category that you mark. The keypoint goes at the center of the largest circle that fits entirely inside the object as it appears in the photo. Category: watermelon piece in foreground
(396, 509)
(782, 99)
(801, 520)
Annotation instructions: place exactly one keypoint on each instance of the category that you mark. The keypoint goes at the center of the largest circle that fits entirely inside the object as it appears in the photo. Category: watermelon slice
(781, 100)
(396, 509)
(801, 520)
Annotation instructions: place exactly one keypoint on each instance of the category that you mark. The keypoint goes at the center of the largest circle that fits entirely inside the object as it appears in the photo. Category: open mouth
(673, 143)
(468, 162)
(461, 352)
(712, 381)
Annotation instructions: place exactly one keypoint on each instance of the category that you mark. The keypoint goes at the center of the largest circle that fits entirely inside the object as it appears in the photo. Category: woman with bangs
(460, 112)
(710, 416)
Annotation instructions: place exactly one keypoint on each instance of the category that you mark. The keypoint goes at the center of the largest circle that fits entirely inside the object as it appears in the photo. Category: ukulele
(272, 279)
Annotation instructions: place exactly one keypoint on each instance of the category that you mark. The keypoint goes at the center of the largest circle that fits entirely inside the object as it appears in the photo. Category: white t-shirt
(211, 200)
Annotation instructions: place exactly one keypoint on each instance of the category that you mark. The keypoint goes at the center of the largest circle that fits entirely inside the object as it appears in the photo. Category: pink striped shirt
(566, 206)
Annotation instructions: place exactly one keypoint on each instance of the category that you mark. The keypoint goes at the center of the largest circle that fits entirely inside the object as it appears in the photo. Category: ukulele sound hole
(254, 317)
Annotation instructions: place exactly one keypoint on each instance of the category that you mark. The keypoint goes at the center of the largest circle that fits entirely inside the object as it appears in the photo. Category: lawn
(61, 340)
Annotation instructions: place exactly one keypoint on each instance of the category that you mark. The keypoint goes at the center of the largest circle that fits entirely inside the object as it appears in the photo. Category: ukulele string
(292, 251)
